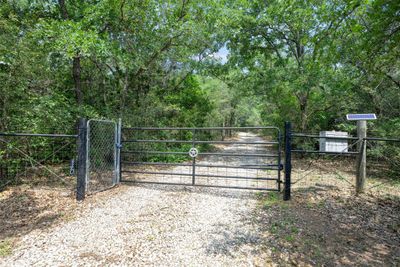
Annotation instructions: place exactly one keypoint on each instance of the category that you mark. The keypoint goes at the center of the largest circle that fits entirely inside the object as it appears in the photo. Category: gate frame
(278, 141)
(115, 179)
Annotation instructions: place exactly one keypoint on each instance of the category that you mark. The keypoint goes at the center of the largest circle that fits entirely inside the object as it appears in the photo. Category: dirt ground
(324, 226)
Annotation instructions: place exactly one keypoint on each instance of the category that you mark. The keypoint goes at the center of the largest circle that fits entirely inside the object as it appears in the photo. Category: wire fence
(318, 169)
(49, 160)
(38, 160)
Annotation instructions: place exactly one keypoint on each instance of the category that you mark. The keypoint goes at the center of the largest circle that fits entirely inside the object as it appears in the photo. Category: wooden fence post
(81, 176)
(362, 156)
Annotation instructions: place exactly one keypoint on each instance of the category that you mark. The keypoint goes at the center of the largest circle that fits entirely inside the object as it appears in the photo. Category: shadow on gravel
(323, 226)
(22, 211)
(228, 242)
(222, 192)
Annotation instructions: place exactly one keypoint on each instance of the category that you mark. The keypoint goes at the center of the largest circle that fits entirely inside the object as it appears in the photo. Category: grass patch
(284, 226)
(289, 238)
(273, 199)
(5, 247)
(294, 229)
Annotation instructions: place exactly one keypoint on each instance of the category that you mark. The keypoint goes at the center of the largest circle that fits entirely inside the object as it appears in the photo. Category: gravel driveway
(152, 225)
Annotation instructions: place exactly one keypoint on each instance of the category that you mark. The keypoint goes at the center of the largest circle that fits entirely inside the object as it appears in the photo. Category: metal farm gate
(226, 157)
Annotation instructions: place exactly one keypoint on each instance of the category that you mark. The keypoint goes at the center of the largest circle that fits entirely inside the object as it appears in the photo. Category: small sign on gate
(193, 152)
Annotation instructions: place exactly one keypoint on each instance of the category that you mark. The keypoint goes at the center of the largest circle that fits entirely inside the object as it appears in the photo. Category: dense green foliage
(315, 61)
(131, 59)
(153, 63)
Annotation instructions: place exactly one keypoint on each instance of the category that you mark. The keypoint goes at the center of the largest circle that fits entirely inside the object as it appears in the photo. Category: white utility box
(333, 145)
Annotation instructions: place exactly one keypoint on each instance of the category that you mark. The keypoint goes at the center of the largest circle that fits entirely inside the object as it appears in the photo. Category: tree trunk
(303, 105)
(303, 116)
(63, 9)
(76, 73)
(231, 121)
(124, 94)
(76, 63)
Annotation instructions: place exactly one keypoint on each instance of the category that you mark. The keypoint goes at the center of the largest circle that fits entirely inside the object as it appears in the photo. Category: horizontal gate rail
(252, 167)
(200, 142)
(41, 135)
(155, 152)
(200, 129)
(238, 155)
(202, 154)
(206, 175)
(156, 163)
(206, 185)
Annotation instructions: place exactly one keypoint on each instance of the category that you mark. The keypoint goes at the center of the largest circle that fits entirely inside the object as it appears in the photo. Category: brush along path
(154, 225)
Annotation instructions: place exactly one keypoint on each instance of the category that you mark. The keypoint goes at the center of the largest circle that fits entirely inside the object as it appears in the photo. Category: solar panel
(361, 117)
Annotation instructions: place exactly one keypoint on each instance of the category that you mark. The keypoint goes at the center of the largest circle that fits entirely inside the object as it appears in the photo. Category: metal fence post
(194, 158)
(288, 160)
(119, 147)
(81, 176)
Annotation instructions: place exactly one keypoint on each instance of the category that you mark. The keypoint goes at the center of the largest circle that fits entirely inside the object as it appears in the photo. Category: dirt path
(154, 225)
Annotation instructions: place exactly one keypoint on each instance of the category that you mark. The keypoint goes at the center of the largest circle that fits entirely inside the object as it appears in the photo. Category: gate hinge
(119, 146)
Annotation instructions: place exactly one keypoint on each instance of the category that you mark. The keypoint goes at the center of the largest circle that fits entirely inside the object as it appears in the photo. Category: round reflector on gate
(193, 152)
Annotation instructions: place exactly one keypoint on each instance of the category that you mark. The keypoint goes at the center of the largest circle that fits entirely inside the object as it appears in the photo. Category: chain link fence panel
(101, 167)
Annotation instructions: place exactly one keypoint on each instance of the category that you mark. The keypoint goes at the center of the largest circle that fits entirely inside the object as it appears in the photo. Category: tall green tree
(284, 47)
